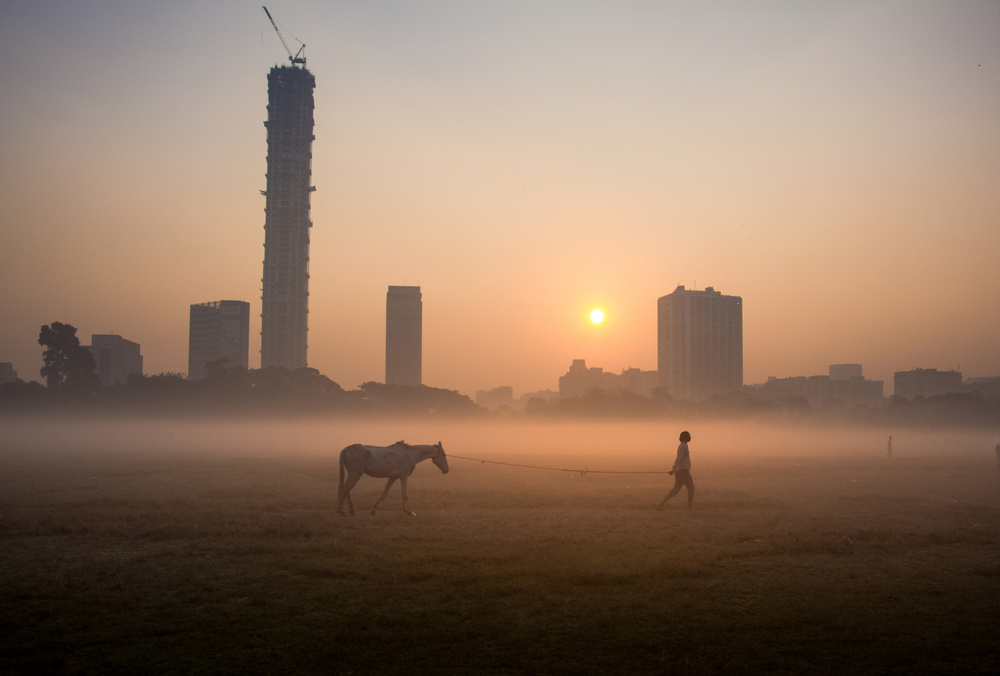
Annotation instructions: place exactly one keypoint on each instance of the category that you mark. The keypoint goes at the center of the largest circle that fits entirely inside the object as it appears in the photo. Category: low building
(7, 372)
(580, 380)
(926, 383)
(116, 358)
(844, 384)
(497, 398)
(986, 386)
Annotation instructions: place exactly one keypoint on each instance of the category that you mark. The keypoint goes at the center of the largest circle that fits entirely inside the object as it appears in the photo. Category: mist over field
(214, 546)
(607, 445)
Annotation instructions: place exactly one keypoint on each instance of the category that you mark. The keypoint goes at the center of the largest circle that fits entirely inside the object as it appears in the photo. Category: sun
(597, 316)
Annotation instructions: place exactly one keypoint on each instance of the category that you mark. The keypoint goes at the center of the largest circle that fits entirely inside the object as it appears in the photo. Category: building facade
(404, 310)
(926, 383)
(699, 343)
(285, 290)
(116, 358)
(845, 384)
(218, 330)
(581, 379)
(7, 372)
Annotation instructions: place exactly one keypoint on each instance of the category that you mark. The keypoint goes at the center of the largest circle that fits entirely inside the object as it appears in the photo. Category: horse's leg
(388, 485)
(402, 484)
(352, 481)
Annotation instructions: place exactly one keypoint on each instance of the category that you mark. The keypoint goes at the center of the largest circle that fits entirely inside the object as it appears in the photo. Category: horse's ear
(440, 446)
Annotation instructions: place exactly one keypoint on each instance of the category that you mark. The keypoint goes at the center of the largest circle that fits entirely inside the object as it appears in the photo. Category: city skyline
(832, 165)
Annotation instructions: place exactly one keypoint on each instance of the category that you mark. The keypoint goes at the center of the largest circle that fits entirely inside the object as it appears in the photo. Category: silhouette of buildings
(7, 372)
(580, 380)
(285, 291)
(699, 343)
(116, 358)
(497, 398)
(988, 386)
(845, 384)
(926, 383)
(404, 311)
(218, 330)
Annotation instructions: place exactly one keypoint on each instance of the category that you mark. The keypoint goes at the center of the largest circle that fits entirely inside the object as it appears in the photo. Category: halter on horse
(392, 462)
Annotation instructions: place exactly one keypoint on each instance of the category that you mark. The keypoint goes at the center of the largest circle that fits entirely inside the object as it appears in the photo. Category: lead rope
(582, 472)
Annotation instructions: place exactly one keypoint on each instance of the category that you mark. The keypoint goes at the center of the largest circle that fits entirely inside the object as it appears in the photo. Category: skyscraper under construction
(285, 291)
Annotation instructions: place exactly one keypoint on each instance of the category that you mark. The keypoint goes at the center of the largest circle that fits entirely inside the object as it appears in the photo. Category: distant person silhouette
(888, 448)
(681, 472)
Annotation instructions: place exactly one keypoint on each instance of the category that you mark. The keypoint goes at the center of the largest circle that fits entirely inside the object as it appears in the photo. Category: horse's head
(440, 459)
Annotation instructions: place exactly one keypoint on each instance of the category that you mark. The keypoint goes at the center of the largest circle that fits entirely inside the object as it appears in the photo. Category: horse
(392, 462)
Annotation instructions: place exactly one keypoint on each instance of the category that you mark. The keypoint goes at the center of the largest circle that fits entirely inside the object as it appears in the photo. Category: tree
(69, 367)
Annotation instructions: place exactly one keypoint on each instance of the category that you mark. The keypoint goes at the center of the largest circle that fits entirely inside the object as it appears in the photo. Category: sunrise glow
(597, 316)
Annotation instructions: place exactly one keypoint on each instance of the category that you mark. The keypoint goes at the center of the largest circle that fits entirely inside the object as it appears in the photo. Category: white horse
(393, 462)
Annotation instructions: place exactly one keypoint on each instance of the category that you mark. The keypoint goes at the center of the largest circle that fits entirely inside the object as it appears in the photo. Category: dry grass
(120, 562)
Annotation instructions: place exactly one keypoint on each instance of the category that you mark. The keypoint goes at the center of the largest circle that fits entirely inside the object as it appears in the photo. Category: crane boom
(297, 58)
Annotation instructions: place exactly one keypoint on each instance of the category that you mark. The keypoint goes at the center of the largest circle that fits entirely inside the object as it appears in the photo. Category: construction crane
(298, 57)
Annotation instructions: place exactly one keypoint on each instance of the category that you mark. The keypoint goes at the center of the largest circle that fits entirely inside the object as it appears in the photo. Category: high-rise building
(700, 343)
(116, 358)
(285, 291)
(218, 330)
(404, 312)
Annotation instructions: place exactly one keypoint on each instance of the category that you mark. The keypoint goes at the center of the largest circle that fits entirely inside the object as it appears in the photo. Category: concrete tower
(220, 329)
(285, 291)
(404, 311)
(700, 343)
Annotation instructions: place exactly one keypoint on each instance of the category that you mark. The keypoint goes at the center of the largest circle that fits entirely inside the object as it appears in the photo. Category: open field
(168, 548)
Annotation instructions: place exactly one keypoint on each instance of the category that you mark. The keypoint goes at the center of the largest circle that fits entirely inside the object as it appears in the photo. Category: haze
(835, 164)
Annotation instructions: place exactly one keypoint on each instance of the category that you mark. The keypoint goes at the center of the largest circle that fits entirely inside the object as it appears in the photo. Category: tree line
(71, 382)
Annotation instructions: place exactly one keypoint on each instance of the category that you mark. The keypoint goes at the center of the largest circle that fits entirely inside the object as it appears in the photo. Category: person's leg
(678, 483)
(689, 482)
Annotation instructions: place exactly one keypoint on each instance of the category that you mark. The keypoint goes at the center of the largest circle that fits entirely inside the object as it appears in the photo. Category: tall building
(285, 291)
(404, 312)
(700, 343)
(218, 330)
(116, 358)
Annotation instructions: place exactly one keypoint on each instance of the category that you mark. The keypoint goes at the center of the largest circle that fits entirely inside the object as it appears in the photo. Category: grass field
(139, 548)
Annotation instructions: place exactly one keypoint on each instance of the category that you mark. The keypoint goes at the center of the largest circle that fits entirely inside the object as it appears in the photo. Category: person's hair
(685, 437)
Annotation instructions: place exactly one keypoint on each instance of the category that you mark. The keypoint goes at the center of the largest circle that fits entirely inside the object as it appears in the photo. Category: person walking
(681, 472)
(888, 448)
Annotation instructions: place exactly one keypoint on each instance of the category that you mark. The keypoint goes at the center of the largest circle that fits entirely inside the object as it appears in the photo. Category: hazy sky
(836, 164)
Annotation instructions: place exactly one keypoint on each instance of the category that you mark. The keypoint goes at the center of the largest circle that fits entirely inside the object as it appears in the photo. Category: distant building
(404, 311)
(285, 286)
(541, 395)
(700, 343)
(218, 330)
(845, 371)
(926, 383)
(7, 372)
(497, 398)
(116, 358)
(845, 384)
(580, 380)
(988, 386)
